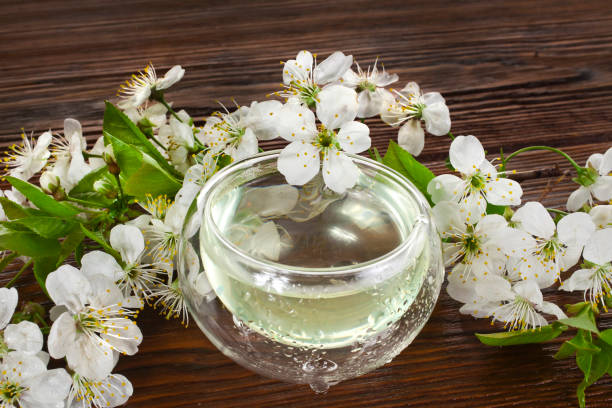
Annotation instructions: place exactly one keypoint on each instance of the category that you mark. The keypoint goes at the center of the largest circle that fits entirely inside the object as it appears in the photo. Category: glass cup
(304, 285)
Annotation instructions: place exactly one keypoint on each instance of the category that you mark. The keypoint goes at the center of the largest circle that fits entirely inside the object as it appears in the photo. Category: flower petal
(354, 137)
(62, 335)
(98, 262)
(248, 146)
(299, 162)
(534, 219)
(332, 68)
(125, 337)
(598, 248)
(530, 291)
(370, 103)
(503, 191)
(8, 303)
(552, 309)
(24, 336)
(296, 122)
(173, 75)
(494, 288)
(578, 198)
(437, 117)
(605, 167)
(129, 241)
(411, 137)
(90, 357)
(602, 188)
(466, 154)
(18, 366)
(337, 105)
(602, 216)
(580, 280)
(339, 171)
(575, 229)
(69, 287)
(263, 117)
(445, 187)
(47, 389)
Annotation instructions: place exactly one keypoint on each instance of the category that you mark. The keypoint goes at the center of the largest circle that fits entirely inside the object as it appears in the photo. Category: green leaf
(403, 162)
(47, 227)
(43, 266)
(606, 336)
(95, 236)
(585, 319)
(584, 359)
(495, 209)
(511, 338)
(601, 364)
(84, 190)
(12, 209)
(118, 125)
(41, 200)
(140, 174)
(582, 341)
(27, 243)
(580, 394)
(70, 244)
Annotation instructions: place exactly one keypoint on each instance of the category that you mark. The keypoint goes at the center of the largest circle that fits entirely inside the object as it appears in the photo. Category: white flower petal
(578, 198)
(575, 229)
(299, 162)
(534, 219)
(248, 146)
(605, 167)
(337, 105)
(296, 122)
(24, 336)
(354, 137)
(370, 103)
(339, 171)
(47, 389)
(594, 161)
(18, 366)
(69, 287)
(503, 191)
(62, 335)
(445, 187)
(125, 338)
(332, 68)
(73, 127)
(552, 309)
(8, 303)
(437, 118)
(90, 358)
(448, 218)
(128, 241)
(494, 288)
(602, 188)
(173, 75)
(411, 137)
(263, 117)
(569, 257)
(98, 262)
(598, 248)
(580, 280)
(602, 216)
(104, 292)
(466, 154)
(530, 291)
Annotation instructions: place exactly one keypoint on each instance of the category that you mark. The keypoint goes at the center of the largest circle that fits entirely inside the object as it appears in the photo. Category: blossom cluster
(102, 230)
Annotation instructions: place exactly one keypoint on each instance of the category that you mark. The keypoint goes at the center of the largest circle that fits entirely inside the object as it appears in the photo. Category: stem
(450, 134)
(119, 184)
(157, 142)
(88, 155)
(554, 210)
(161, 100)
(551, 149)
(23, 268)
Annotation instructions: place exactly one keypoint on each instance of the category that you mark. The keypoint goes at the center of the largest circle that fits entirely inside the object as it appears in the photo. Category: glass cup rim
(284, 269)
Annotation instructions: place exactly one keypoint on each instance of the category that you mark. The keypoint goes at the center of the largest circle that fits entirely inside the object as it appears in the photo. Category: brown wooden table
(514, 74)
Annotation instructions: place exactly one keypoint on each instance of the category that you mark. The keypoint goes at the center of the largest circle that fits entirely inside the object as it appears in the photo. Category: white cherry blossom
(94, 324)
(479, 183)
(69, 164)
(135, 276)
(304, 79)
(369, 85)
(153, 115)
(554, 248)
(110, 392)
(237, 133)
(138, 89)
(408, 108)
(26, 382)
(599, 183)
(301, 160)
(178, 136)
(29, 157)
(595, 276)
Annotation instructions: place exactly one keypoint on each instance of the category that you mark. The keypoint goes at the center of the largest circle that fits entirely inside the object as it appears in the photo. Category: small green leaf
(585, 319)
(495, 209)
(511, 338)
(606, 336)
(600, 364)
(41, 200)
(118, 125)
(13, 210)
(582, 341)
(584, 359)
(140, 174)
(403, 162)
(6, 260)
(47, 227)
(70, 244)
(27, 243)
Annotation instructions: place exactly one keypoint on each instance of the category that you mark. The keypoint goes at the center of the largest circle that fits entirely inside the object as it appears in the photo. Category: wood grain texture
(514, 73)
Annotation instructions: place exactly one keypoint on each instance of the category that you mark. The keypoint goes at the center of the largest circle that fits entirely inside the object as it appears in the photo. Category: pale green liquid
(364, 225)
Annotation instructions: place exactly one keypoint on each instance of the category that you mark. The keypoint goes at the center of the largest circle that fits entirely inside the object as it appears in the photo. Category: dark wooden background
(514, 73)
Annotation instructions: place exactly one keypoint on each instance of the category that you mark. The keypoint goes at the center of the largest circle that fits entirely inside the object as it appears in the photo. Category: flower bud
(49, 182)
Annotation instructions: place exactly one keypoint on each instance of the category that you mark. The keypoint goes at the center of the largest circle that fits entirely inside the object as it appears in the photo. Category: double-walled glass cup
(305, 285)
